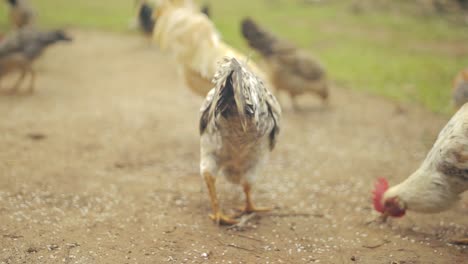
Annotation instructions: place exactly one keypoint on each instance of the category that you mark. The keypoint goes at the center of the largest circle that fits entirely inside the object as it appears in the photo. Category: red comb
(380, 187)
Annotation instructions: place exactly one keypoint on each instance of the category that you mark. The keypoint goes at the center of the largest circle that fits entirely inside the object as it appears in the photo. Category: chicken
(239, 125)
(460, 89)
(146, 21)
(290, 69)
(21, 13)
(438, 182)
(19, 49)
(145, 17)
(193, 40)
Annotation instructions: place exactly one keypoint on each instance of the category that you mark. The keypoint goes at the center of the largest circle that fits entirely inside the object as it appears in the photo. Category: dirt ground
(101, 166)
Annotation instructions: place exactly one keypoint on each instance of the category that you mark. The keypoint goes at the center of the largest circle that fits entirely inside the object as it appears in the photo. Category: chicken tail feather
(230, 97)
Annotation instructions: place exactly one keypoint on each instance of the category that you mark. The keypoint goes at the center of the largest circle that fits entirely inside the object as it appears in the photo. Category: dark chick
(291, 70)
(146, 21)
(20, 49)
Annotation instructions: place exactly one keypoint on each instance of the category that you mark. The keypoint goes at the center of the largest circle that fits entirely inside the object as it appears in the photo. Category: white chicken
(239, 125)
(189, 35)
(438, 182)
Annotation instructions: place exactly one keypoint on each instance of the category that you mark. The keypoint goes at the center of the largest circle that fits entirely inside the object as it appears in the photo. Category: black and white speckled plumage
(239, 124)
(443, 175)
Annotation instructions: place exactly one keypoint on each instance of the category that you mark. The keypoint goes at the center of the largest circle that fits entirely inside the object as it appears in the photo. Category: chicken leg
(249, 206)
(217, 216)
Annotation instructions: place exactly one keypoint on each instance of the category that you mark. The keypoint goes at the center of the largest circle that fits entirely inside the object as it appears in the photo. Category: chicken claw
(217, 215)
(249, 206)
(222, 219)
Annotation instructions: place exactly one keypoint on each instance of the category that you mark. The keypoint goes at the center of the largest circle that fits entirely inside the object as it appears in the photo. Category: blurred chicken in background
(21, 13)
(291, 69)
(19, 49)
(460, 89)
(188, 35)
(145, 18)
(146, 21)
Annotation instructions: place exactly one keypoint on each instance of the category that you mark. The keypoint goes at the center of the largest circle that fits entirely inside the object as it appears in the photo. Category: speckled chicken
(19, 49)
(439, 181)
(460, 89)
(21, 13)
(239, 125)
(291, 69)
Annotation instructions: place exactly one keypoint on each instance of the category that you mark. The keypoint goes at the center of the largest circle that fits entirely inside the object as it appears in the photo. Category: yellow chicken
(190, 36)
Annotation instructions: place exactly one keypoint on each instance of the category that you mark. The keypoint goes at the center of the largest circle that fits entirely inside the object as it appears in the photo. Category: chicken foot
(249, 205)
(217, 216)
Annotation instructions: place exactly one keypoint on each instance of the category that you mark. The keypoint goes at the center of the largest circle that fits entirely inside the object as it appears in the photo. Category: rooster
(19, 49)
(439, 181)
(239, 125)
(460, 89)
(291, 70)
(192, 39)
(21, 13)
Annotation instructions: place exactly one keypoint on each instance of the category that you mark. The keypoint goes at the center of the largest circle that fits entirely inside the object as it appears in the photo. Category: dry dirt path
(101, 166)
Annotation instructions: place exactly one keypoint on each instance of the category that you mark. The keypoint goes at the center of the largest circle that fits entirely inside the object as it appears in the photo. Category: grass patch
(405, 57)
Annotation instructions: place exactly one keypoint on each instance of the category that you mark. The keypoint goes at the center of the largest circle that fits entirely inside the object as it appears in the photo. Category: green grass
(408, 58)
(103, 14)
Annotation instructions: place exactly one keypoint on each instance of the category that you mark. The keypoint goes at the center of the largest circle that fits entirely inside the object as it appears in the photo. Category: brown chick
(205, 9)
(21, 13)
(291, 70)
